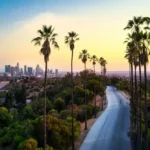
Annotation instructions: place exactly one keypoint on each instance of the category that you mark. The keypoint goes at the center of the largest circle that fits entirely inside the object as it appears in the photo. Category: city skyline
(99, 25)
(16, 70)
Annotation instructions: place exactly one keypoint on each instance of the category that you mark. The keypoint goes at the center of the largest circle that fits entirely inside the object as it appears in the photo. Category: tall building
(12, 71)
(37, 69)
(30, 71)
(51, 71)
(56, 71)
(6, 68)
(21, 71)
(9, 68)
(25, 69)
(17, 68)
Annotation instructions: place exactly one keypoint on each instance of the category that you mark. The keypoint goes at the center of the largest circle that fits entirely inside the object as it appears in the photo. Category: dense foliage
(21, 123)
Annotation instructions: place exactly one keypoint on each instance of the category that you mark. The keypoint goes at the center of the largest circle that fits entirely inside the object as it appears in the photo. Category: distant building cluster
(13, 70)
(16, 71)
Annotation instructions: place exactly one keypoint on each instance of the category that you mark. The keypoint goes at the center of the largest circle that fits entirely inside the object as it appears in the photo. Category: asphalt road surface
(110, 130)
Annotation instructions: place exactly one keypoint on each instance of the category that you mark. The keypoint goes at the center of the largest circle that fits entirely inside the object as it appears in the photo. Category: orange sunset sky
(99, 24)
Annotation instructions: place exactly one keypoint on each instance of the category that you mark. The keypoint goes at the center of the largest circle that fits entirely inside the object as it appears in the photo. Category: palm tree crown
(71, 39)
(49, 37)
(84, 55)
(101, 61)
(94, 59)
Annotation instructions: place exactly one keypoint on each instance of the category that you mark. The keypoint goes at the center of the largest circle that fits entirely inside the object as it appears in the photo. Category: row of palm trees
(84, 56)
(46, 39)
(137, 52)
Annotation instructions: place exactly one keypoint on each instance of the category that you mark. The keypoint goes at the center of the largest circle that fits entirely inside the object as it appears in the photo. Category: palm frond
(55, 44)
(37, 43)
(77, 39)
(37, 40)
(54, 35)
(40, 32)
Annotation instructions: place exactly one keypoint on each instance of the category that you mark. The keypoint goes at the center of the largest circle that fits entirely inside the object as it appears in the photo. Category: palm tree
(47, 37)
(84, 55)
(134, 45)
(101, 63)
(144, 61)
(70, 40)
(136, 26)
(104, 70)
(104, 62)
(94, 59)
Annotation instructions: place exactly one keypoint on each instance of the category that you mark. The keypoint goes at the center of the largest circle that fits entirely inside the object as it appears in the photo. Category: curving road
(110, 130)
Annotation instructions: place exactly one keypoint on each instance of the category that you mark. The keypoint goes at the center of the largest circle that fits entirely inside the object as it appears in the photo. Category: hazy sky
(99, 24)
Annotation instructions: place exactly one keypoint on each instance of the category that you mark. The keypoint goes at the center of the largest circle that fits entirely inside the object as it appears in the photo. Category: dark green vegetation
(21, 124)
(137, 52)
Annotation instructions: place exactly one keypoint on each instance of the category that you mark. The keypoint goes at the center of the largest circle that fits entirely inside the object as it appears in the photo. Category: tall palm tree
(136, 26)
(104, 62)
(101, 63)
(143, 40)
(70, 40)
(94, 59)
(135, 43)
(84, 56)
(46, 37)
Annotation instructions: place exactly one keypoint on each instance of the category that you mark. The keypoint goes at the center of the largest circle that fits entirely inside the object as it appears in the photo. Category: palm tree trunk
(135, 105)
(45, 81)
(130, 79)
(85, 97)
(132, 96)
(145, 105)
(104, 86)
(72, 101)
(140, 108)
(94, 93)
(132, 106)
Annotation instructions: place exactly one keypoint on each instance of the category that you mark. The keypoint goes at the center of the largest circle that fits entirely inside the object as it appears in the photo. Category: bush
(5, 140)
(38, 106)
(5, 117)
(54, 113)
(67, 113)
(14, 114)
(58, 131)
(81, 115)
(47, 148)
(17, 140)
(28, 112)
(59, 104)
(90, 112)
(30, 144)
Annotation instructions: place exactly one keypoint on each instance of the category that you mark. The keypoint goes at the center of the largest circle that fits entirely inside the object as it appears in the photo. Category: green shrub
(30, 144)
(17, 140)
(5, 140)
